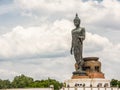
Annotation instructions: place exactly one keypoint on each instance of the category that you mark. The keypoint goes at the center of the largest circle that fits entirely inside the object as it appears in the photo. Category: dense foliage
(115, 83)
(23, 81)
(5, 84)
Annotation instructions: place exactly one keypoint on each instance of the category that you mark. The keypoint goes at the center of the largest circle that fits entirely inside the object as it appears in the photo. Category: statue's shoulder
(73, 30)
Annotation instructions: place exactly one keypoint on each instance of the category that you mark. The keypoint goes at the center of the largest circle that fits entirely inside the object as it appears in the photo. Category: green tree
(119, 84)
(46, 84)
(38, 84)
(114, 83)
(1, 84)
(22, 81)
(5, 84)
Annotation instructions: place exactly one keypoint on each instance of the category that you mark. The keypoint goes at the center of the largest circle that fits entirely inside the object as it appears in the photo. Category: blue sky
(35, 36)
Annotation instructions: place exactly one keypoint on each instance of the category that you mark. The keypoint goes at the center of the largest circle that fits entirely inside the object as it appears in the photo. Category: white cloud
(46, 40)
(96, 42)
(37, 47)
(39, 68)
(41, 40)
(101, 14)
(46, 4)
(42, 51)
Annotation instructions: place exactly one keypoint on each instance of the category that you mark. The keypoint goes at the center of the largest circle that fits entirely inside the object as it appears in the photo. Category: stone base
(96, 75)
(87, 82)
(78, 77)
(79, 74)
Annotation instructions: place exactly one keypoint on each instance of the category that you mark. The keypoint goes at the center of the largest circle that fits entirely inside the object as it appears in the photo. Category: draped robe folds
(78, 35)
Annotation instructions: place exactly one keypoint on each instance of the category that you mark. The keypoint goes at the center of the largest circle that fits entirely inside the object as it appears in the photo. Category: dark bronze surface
(88, 67)
(78, 36)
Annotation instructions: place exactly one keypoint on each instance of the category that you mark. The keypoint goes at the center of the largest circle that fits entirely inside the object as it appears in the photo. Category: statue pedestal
(90, 76)
(78, 77)
(96, 75)
(79, 74)
(90, 69)
(87, 82)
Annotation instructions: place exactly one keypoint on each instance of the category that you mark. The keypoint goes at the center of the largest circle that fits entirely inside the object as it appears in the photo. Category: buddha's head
(77, 21)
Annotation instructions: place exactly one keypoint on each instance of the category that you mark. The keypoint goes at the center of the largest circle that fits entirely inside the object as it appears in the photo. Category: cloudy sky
(35, 36)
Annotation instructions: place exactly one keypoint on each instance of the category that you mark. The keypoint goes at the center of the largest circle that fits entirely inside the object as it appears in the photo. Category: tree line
(23, 81)
(115, 83)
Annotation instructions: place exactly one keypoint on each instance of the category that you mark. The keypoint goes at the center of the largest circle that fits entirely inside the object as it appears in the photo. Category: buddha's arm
(82, 36)
(83, 33)
(72, 45)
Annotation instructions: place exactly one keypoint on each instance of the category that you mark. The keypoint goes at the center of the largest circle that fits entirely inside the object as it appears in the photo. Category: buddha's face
(77, 23)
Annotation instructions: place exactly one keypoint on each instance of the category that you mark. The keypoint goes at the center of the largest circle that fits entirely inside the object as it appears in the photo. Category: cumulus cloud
(96, 42)
(42, 51)
(45, 49)
(38, 41)
(53, 40)
(46, 4)
(102, 14)
(89, 7)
